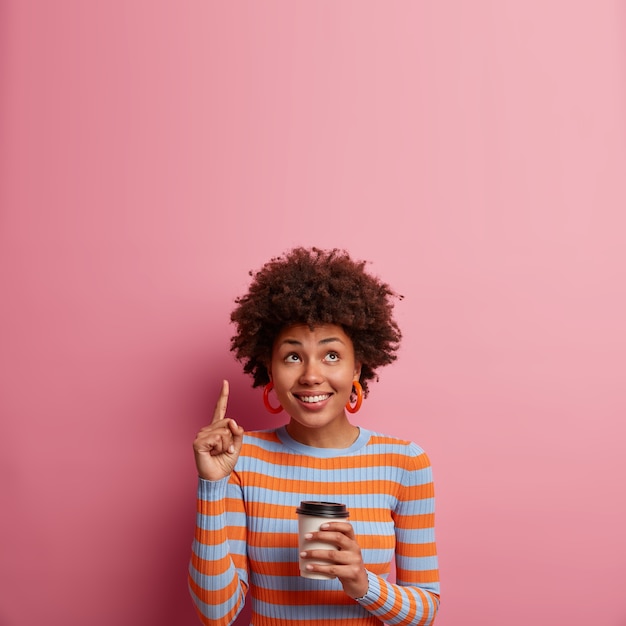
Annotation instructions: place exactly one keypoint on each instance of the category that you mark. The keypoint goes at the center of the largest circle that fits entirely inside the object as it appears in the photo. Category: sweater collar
(322, 453)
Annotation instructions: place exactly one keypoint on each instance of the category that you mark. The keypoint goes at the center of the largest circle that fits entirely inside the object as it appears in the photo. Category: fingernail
(303, 554)
(324, 526)
(231, 449)
(308, 536)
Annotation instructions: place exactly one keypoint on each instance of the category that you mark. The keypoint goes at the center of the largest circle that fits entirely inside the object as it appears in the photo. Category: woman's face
(313, 372)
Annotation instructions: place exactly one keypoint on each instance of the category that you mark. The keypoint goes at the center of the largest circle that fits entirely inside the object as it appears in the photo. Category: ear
(357, 371)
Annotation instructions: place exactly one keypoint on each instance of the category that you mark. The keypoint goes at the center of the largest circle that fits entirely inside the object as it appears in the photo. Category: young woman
(313, 327)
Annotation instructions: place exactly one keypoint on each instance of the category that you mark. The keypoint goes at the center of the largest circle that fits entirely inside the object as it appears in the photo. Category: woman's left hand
(342, 559)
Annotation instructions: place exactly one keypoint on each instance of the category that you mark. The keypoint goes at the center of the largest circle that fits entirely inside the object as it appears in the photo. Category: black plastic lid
(322, 509)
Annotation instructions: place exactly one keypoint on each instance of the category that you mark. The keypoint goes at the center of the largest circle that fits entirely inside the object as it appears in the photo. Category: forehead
(323, 333)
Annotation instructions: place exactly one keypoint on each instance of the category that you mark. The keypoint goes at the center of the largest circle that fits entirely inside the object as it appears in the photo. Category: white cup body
(311, 524)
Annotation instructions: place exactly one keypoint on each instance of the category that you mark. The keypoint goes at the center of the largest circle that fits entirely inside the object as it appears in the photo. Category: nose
(311, 373)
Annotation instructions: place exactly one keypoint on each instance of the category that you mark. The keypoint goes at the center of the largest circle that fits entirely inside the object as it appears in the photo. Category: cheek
(282, 377)
(343, 383)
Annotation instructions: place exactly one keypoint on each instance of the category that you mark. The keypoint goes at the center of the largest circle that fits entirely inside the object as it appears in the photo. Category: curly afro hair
(313, 286)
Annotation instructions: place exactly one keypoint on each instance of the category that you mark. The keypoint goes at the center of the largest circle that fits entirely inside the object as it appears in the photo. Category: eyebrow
(295, 342)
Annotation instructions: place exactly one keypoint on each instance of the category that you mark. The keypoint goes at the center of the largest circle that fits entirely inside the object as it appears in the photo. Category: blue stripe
(426, 535)
(312, 612)
(417, 507)
(273, 555)
(215, 611)
(367, 501)
(432, 587)
(215, 551)
(210, 582)
(419, 563)
(364, 445)
(290, 555)
(297, 583)
(237, 547)
(290, 526)
(208, 522)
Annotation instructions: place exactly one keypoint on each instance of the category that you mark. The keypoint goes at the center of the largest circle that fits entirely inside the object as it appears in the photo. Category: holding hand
(342, 559)
(217, 446)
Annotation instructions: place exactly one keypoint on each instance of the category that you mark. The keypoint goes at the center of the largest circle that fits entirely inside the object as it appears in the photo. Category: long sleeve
(218, 573)
(414, 599)
(247, 533)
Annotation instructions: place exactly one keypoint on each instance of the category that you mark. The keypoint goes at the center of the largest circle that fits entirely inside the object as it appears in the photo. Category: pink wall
(152, 153)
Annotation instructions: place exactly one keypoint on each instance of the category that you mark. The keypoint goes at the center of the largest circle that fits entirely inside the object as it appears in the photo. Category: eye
(292, 357)
(332, 357)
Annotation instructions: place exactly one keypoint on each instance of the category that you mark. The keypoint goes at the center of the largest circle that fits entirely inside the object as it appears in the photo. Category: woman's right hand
(217, 446)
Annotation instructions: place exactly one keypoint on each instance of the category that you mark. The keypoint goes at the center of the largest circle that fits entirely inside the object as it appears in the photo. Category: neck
(343, 436)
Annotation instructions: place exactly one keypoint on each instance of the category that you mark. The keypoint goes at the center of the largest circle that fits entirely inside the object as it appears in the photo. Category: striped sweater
(247, 537)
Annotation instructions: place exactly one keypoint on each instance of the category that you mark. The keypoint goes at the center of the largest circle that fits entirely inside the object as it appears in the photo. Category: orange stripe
(218, 537)
(207, 621)
(362, 487)
(210, 509)
(240, 561)
(372, 460)
(210, 568)
(215, 538)
(278, 568)
(260, 620)
(209, 537)
(417, 549)
(421, 462)
(214, 597)
(385, 439)
(372, 542)
(214, 509)
(263, 436)
(417, 492)
(236, 533)
(289, 598)
(275, 540)
(290, 568)
(290, 540)
(424, 520)
(235, 505)
(419, 576)
(283, 512)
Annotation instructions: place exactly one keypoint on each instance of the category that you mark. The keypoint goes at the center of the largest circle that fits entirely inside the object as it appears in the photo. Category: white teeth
(314, 398)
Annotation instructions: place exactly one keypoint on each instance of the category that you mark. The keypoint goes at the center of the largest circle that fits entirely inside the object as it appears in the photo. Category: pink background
(152, 153)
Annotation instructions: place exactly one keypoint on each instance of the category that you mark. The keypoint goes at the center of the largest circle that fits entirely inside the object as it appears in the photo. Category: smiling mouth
(313, 399)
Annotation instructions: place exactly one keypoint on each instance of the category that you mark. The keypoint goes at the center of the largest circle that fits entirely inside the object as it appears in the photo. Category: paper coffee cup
(311, 515)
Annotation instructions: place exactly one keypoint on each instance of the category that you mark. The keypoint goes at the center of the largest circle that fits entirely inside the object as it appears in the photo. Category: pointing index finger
(222, 401)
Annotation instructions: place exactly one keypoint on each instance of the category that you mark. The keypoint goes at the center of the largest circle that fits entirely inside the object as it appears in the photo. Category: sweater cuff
(212, 490)
(373, 590)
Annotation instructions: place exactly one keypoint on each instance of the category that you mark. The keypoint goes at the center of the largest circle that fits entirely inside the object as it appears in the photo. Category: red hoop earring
(266, 399)
(359, 398)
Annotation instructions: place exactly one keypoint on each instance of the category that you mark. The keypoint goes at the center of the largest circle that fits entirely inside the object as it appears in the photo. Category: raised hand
(217, 446)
